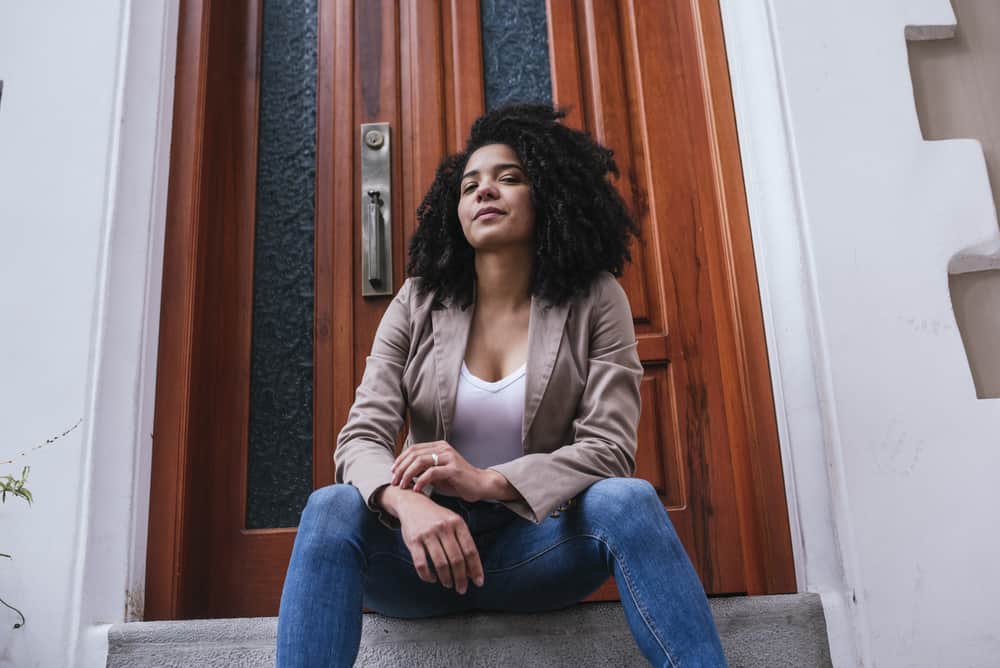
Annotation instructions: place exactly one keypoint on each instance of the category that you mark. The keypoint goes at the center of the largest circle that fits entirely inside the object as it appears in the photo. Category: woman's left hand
(452, 475)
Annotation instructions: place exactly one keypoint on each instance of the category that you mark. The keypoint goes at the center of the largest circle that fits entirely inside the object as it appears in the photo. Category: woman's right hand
(431, 529)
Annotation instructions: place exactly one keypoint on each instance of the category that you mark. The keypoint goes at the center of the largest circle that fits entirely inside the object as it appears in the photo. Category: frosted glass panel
(515, 52)
(279, 460)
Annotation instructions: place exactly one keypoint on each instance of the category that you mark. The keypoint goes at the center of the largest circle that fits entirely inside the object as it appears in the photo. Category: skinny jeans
(344, 558)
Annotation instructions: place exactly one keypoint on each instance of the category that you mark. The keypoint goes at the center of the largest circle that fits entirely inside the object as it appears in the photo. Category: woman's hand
(432, 529)
(452, 475)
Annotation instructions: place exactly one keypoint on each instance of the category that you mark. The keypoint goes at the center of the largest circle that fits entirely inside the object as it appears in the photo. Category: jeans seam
(664, 645)
(534, 556)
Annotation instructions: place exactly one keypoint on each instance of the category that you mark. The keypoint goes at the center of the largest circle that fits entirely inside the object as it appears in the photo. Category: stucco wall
(59, 65)
(858, 264)
(83, 142)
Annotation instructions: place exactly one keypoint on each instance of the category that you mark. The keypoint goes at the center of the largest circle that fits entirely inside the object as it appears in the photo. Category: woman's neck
(503, 278)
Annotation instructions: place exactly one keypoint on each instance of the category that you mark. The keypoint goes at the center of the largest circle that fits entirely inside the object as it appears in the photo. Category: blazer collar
(451, 335)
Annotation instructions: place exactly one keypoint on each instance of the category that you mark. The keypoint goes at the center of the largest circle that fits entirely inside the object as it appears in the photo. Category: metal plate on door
(376, 210)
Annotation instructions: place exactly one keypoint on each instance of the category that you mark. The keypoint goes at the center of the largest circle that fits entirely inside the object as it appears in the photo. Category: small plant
(15, 487)
(11, 485)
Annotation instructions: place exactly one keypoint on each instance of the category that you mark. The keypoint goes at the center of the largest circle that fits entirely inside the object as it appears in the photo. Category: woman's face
(494, 204)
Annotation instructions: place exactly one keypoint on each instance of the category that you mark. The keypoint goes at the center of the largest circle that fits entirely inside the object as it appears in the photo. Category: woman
(512, 349)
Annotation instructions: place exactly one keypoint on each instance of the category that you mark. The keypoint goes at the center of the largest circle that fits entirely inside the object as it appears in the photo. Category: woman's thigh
(566, 558)
(534, 567)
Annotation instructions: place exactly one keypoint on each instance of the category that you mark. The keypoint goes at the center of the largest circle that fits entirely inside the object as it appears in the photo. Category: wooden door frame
(176, 339)
(180, 519)
(173, 534)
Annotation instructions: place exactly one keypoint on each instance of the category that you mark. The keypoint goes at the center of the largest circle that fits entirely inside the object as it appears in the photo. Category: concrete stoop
(771, 631)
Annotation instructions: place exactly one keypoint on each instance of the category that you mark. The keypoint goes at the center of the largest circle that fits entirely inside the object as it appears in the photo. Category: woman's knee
(331, 531)
(338, 503)
(622, 502)
(624, 491)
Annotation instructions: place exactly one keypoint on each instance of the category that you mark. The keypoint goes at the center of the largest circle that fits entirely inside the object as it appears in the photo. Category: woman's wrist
(388, 498)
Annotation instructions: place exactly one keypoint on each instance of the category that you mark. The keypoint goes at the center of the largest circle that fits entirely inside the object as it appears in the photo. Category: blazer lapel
(545, 333)
(451, 335)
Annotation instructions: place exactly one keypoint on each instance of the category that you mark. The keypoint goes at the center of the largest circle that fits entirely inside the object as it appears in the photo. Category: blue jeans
(344, 557)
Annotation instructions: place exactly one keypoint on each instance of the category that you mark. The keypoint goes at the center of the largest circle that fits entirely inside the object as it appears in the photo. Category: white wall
(855, 218)
(83, 142)
(889, 457)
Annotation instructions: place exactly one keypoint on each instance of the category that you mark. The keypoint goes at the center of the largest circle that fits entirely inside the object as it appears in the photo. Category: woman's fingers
(430, 530)
(418, 466)
(470, 555)
(419, 555)
(411, 451)
(440, 560)
(415, 450)
(400, 465)
(456, 560)
(430, 475)
(407, 461)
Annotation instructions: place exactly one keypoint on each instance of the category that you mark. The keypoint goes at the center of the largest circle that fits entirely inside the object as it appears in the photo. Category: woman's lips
(488, 212)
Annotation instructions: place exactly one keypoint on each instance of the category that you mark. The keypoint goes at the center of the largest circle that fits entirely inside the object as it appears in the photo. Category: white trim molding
(822, 539)
(110, 562)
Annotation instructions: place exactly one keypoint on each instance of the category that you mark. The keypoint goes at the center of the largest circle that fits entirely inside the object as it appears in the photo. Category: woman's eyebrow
(496, 168)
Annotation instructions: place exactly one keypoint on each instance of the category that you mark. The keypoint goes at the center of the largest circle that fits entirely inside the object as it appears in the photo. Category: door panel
(647, 79)
(637, 97)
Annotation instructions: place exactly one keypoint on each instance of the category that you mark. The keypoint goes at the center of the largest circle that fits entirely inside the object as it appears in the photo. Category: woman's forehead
(487, 158)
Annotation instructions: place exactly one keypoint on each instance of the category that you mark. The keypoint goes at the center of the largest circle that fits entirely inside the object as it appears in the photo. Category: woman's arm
(607, 417)
(364, 452)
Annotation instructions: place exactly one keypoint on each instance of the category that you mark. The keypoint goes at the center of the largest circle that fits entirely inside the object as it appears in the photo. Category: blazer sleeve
(606, 423)
(364, 453)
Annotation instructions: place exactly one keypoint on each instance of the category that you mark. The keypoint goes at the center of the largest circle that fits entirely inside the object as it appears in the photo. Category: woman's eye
(469, 187)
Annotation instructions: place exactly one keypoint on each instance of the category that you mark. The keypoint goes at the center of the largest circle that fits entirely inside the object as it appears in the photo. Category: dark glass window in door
(279, 458)
(515, 52)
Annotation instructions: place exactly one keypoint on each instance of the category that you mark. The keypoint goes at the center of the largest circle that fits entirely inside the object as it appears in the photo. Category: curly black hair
(582, 225)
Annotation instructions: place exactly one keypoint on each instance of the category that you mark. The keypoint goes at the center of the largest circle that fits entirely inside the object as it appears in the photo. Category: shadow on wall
(975, 296)
(957, 92)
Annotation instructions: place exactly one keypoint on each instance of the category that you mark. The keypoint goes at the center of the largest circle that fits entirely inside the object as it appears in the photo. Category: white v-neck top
(486, 428)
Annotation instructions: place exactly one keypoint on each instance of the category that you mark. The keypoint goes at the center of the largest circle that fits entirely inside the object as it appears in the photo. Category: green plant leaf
(16, 486)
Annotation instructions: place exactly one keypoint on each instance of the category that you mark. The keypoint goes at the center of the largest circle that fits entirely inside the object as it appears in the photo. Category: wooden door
(648, 78)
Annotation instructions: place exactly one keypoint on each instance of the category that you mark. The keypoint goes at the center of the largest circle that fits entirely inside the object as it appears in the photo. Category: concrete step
(772, 631)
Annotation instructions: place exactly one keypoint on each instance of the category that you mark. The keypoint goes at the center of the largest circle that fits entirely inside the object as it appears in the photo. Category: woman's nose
(486, 190)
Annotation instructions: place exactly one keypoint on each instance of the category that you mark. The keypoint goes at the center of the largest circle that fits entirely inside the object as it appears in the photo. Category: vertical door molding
(750, 401)
(603, 70)
(177, 305)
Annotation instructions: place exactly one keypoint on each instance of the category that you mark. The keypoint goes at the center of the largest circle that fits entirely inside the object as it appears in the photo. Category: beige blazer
(581, 404)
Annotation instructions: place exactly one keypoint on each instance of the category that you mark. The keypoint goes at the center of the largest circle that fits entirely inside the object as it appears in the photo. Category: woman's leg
(343, 558)
(619, 527)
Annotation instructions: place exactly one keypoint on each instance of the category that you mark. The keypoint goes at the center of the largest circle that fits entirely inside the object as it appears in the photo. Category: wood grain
(167, 518)
(648, 79)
